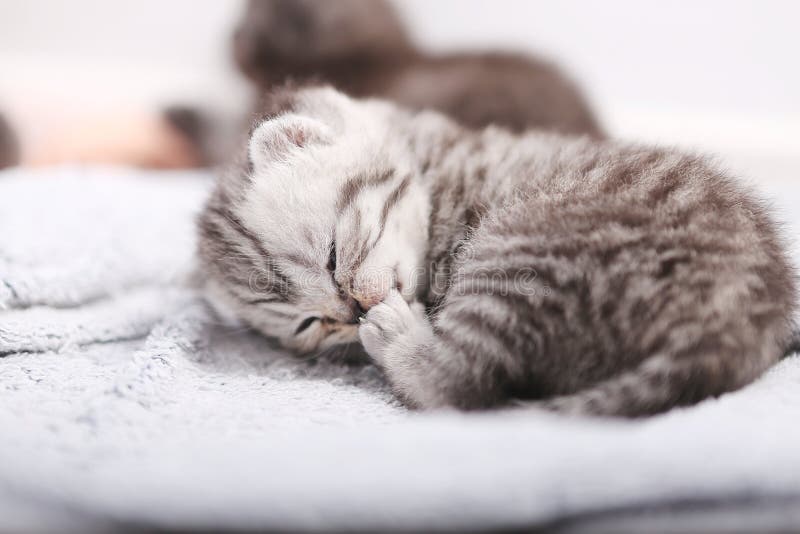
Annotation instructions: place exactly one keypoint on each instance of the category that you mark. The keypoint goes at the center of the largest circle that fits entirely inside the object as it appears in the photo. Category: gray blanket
(124, 401)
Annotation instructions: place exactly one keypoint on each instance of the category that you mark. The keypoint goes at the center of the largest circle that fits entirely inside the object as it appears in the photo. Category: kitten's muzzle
(355, 310)
(364, 303)
(371, 295)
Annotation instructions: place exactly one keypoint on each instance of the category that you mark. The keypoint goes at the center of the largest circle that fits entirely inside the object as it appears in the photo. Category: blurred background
(720, 75)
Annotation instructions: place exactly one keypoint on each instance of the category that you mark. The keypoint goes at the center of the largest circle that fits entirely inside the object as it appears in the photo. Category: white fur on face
(395, 259)
(301, 163)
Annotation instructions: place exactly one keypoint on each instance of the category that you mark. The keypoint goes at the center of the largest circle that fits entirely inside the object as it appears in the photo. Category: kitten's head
(280, 39)
(326, 216)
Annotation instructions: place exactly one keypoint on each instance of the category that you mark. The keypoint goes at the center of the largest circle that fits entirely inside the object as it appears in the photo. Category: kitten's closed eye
(305, 324)
(332, 258)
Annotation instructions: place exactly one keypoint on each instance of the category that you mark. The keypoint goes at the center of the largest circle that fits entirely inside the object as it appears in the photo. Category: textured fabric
(124, 400)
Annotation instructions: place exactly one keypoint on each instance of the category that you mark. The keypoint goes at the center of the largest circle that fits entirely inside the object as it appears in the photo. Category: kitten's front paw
(392, 326)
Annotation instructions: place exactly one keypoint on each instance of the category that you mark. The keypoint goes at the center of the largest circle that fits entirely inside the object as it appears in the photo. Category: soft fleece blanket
(124, 402)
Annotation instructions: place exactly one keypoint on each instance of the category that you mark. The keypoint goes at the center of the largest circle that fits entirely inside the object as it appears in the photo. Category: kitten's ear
(274, 139)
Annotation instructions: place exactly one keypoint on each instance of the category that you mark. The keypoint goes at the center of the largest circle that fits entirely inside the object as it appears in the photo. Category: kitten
(362, 48)
(483, 269)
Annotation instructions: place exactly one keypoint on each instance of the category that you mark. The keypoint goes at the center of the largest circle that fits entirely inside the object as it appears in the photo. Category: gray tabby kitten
(481, 268)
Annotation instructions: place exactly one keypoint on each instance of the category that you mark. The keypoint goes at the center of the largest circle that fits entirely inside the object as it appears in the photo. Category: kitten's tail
(661, 383)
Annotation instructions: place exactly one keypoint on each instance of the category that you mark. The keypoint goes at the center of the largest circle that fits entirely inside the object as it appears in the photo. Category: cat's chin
(343, 334)
(340, 335)
(351, 353)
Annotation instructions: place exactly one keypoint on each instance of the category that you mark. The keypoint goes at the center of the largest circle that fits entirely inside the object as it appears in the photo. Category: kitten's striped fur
(498, 269)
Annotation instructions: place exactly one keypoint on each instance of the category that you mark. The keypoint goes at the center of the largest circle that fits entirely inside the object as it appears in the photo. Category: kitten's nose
(354, 308)
(361, 301)
(365, 302)
(371, 289)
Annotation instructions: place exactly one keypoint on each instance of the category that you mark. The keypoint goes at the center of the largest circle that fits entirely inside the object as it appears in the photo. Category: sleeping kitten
(485, 269)
(362, 48)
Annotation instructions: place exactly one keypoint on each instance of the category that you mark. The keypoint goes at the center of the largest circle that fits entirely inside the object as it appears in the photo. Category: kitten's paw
(392, 326)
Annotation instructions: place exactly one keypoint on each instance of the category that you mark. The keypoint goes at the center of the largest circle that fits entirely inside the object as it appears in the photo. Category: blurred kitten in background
(359, 46)
(362, 48)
